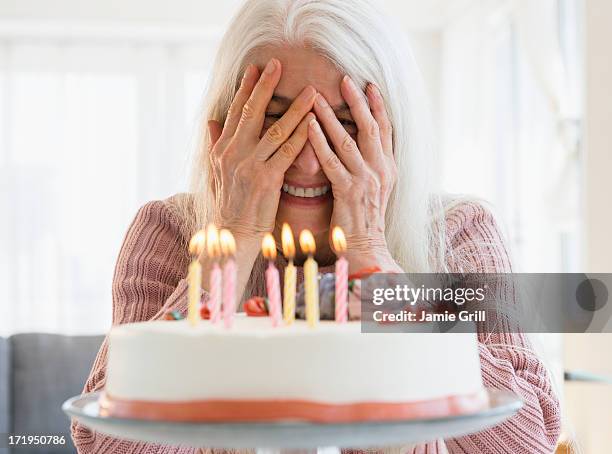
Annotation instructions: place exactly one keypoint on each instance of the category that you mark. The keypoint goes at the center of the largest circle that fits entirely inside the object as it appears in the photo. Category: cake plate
(271, 437)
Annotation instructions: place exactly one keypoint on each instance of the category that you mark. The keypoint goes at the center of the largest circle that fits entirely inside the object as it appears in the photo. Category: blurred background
(99, 112)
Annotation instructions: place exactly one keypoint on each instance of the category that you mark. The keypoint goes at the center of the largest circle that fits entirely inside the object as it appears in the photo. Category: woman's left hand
(362, 172)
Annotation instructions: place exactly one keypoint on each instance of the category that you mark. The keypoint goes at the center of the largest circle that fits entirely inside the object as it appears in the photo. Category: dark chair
(38, 372)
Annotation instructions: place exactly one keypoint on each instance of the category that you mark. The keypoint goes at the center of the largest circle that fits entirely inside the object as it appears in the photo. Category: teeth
(305, 192)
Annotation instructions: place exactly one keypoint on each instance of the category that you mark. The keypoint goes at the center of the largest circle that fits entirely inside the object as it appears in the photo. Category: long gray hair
(361, 41)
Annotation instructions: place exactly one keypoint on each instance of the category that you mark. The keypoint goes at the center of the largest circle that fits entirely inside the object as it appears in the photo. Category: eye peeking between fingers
(349, 125)
(272, 117)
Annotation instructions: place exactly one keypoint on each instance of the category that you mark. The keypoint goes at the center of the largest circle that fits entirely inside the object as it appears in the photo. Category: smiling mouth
(306, 193)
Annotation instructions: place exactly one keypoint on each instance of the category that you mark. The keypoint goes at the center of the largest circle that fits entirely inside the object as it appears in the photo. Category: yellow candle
(311, 282)
(290, 275)
(194, 277)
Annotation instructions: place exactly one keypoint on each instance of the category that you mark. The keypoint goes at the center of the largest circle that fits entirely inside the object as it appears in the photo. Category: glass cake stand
(293, 437)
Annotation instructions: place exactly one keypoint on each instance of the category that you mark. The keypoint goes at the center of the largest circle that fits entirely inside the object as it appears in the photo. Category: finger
(332, 166)
(282, 159)
(343, 143)
(249, 79)
(377, 106)
(214, 132)
(368, 136)
(253, 111)
(278, 133)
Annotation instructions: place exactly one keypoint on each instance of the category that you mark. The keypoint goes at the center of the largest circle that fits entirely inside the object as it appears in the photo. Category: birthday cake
(332, 373)
(220, 366)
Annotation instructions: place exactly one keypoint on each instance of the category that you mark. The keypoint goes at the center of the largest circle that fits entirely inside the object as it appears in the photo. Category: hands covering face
(362, 172)
(248, 171)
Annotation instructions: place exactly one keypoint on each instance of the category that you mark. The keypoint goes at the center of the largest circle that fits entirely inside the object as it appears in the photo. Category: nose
(307, 163)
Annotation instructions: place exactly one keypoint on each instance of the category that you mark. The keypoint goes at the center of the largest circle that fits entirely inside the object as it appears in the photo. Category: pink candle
(341, 290)
(272, 279)
(229, 292)
(215, 293)
(274, 296)
(228, 249)
(339, 242)
(212, 246)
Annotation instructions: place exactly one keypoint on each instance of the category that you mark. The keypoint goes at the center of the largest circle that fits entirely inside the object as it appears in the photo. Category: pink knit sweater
(150, 280)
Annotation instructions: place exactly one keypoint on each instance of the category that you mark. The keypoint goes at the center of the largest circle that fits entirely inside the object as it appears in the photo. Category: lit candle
(212, 249)
(339, 242)
(228, 248)
(290, 275)
(311, 282)
(268, 247)
(194, 277)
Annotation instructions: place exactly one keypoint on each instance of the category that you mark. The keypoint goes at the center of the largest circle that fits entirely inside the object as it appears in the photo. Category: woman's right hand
(248, 170)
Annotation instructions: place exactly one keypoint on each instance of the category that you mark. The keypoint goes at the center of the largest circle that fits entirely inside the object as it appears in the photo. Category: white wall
(590, 405)
(598, 140)
(426, 46)
(186, 19)
(194, 13)
(416, 14)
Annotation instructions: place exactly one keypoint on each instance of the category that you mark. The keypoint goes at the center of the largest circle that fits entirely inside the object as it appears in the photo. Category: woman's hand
(248, 171)
(362, 172)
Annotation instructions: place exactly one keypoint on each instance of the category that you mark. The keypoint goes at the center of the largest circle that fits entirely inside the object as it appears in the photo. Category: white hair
(361, 41)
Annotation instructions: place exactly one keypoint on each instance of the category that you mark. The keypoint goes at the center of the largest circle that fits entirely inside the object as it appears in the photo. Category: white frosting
(333, 363)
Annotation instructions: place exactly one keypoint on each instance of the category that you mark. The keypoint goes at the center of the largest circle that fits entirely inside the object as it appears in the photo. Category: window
(89, 131)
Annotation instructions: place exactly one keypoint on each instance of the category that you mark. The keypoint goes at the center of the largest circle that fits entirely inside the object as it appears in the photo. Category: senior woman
(316, 117)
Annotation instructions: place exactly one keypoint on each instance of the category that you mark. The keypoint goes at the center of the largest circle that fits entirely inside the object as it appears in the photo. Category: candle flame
(196, 245)
(339, 240)
(228, 243)
(307, 242)
(212, 241)
(268, 247)
(288, 243)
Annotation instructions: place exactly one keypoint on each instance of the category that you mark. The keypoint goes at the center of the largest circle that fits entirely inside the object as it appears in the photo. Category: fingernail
(321, 100)
(247, 72)
(314, 124)
(270, 67)
(374, 90)
(307, 93)
(350, 82)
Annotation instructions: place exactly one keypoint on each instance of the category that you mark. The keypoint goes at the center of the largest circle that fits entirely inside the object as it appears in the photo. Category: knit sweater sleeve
(507, 359)
(149, 280)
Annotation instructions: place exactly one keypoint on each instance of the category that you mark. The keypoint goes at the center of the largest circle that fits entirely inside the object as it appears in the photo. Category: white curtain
(510, 129)
(90, 130)
(550, 70)
(510, 122)
(477, 112)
